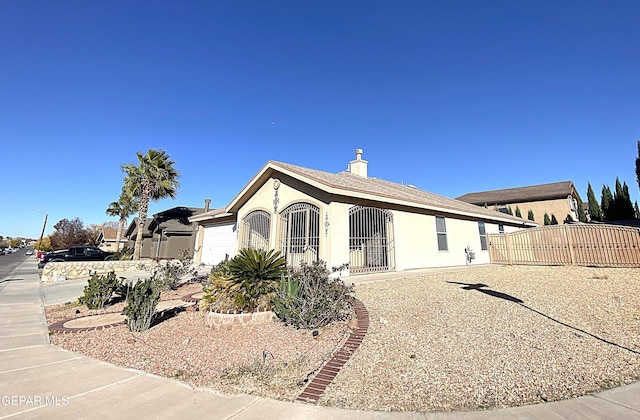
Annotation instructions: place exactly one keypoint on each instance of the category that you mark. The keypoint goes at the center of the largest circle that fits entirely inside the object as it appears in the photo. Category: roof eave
(209, 216)
(270, 167)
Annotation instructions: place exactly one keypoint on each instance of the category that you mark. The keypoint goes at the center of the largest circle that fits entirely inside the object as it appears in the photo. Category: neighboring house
(371, 224)
(107, 239)
(168, 234)
(559, 199)
(132, 233)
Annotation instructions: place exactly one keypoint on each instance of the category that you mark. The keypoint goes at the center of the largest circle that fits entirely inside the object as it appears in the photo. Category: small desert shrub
(169, 273)
(285, 375)
(99, 290)
(217, 289)
(218, 293)
(122, 254)
(308, 298)
(222, 267)
(142, 299)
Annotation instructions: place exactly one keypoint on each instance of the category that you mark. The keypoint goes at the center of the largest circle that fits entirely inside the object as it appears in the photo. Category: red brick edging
(319, 383)
(58, 327)
(192, 297)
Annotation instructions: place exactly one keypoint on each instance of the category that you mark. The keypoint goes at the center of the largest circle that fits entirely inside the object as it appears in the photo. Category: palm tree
(154, 178)
(123, 208)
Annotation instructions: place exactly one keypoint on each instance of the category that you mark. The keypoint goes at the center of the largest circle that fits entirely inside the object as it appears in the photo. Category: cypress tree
(638, 165)
(594, 208)
(518, 214)
(615, 207)
(509, 211)
(626, 208)
(547, 220)
(581, 214)
(605, 202)
(636, 210)
(530, 216)
(620, 207)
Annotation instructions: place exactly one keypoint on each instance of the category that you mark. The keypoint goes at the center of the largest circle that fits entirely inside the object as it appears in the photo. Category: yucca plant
(254, 274)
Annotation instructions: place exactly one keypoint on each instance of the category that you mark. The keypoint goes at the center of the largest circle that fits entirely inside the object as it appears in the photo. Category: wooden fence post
(567, 236)
(507, 241)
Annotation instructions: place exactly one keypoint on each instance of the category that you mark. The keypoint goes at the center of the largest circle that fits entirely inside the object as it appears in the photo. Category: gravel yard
(463, 339)
(270, 360)
(435, 344)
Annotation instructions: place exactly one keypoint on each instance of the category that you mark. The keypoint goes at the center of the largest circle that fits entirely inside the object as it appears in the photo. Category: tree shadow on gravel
(166, 315)
(482, 288)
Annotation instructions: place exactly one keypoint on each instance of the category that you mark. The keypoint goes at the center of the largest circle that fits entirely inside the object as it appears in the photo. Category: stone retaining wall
(230, 320)
(61, 271)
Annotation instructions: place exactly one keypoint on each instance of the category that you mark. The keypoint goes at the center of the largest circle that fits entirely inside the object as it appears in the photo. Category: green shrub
(308, 298)
(99, 290)
(169, 273)
(142, 300)
(123, 254)
(254, 276)
(222, 267)
(218, 293)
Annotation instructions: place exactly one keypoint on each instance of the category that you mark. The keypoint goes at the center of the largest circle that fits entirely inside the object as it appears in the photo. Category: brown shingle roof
(381, 190)
(109, 233)
(540, 192)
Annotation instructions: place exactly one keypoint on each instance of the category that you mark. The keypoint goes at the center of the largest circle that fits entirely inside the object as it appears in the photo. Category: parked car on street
(29, 252)
(75, 253)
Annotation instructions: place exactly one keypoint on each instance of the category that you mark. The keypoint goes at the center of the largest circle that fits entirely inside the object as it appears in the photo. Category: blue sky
(451, 96)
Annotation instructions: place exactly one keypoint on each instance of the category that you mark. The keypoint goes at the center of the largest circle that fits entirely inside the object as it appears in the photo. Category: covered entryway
(371, 246)
(218, 242)
(299, 233)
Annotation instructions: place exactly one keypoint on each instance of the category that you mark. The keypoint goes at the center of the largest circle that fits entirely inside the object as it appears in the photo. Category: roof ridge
(410, 195)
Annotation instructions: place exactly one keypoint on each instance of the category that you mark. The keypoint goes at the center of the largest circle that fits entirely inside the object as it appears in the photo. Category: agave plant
(255, 275)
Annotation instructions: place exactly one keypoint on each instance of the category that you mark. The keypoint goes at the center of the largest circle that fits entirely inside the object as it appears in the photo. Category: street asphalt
(39, 380)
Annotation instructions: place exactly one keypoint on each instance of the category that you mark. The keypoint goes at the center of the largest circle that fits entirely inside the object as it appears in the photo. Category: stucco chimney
(207, 202)
(358, 166)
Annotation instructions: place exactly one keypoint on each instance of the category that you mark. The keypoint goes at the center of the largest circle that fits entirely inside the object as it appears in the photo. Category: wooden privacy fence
(586, 245)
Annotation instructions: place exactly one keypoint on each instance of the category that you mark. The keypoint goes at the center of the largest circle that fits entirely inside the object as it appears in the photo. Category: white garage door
(218, 241)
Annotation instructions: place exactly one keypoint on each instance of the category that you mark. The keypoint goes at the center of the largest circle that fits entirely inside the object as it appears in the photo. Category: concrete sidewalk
(39, 380)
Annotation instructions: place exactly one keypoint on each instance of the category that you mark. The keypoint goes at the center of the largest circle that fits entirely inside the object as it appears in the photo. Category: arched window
(371, 246)
(255, 230)
(300, 233)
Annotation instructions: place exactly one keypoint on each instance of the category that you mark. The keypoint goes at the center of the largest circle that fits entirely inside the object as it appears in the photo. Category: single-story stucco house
(348, 218)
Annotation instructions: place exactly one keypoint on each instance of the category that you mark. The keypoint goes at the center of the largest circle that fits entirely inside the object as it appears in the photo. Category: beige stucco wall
(415, 237)
(558, 207)
(287, 195)
(110, 245)
(417, 241)
(338, 252)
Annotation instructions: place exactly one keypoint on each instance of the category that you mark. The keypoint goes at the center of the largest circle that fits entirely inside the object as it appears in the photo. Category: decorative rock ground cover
(466, 339)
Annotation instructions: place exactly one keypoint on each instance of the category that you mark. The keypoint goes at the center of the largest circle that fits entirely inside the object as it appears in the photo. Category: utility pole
(42, 234)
